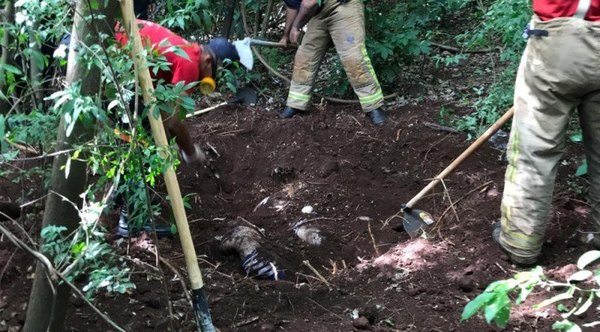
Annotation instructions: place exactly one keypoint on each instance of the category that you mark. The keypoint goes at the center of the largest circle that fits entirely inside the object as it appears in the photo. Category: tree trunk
(8, 18)
(228, 22)
(46, 312)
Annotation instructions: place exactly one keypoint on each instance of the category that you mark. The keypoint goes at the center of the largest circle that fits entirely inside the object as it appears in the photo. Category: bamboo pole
(202, 314)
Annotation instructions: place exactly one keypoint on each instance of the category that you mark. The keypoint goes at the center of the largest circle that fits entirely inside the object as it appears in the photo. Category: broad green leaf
(503, 315)
(587, 258)
(580, 275)
(494, 310)
(474, 305)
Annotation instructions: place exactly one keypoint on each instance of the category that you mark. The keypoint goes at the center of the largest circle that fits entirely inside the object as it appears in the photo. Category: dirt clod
(361, 323)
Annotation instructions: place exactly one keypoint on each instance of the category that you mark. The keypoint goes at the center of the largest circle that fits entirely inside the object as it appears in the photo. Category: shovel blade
(245, 52)
(415, 222)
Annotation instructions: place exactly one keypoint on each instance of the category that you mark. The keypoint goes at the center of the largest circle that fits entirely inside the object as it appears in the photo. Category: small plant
(576, 298)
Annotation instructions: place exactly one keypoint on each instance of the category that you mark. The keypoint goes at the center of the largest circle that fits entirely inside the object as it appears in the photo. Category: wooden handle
(160, 138)
(258, 42)
(467, 153)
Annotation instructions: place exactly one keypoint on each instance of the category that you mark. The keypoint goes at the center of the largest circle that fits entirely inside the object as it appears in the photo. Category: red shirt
(549, 9)
(160, 39)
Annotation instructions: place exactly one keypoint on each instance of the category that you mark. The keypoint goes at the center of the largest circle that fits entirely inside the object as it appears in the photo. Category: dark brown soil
(355, 177)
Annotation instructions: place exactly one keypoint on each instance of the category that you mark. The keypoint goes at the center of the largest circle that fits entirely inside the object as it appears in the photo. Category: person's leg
(589, 115)
(547, 90)
(306, 63)
(346, 25)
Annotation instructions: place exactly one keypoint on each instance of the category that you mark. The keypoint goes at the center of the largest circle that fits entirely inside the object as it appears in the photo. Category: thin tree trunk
(35, 72)
(228, 22)
(46, 311)
(263, 30)
(8, 18)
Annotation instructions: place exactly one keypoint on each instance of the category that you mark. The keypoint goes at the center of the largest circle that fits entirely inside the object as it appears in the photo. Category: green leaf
(493, 309)
(587, 258)
(585, 306)
(474, 305)
(562, 308)
(77, 248)
(582, 169)
(576, 138)
(580, 276)
(566, 326)
(503, 314)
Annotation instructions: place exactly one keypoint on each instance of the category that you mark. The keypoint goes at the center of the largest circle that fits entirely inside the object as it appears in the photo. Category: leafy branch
(495, 302)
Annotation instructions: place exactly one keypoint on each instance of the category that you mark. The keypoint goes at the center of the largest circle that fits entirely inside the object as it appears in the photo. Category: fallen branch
(460, 50)
(436, 126)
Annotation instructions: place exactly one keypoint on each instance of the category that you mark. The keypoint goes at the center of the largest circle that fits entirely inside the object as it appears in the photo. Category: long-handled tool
(244, 96)
(244, 49)
(199, 299)
(414, 220)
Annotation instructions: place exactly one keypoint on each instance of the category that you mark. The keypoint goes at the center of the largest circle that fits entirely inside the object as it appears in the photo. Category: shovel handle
(258, 42)
(467, 153)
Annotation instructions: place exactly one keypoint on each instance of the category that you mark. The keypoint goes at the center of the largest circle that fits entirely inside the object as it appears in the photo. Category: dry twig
(460, 199)
(373, 239)
(245, 322)
(307, 263)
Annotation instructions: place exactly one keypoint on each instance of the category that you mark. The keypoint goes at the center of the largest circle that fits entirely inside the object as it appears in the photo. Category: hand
(294, 35)
(284, 40)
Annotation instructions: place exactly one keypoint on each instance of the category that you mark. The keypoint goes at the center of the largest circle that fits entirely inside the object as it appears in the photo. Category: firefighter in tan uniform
(558, 75)
(340, 21)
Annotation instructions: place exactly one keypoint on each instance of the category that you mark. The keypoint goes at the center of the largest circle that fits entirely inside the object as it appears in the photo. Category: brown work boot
(517, 260)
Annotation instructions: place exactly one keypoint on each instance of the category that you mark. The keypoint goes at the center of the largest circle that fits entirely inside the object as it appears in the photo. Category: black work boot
(517, 260)
(124, 230)
(377, 117)
(288, 112)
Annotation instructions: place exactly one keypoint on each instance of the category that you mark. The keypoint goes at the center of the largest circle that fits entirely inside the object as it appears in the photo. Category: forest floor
(355, 177)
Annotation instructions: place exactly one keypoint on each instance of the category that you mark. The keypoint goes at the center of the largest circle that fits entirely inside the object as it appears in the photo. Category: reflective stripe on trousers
(557, 74)
(344, 24)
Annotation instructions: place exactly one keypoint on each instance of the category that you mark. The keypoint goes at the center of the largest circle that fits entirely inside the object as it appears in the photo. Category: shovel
(414, 220)
(244, 96)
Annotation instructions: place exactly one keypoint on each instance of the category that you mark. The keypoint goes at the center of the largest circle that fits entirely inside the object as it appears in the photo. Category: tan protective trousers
(344, 24)
(558, 74)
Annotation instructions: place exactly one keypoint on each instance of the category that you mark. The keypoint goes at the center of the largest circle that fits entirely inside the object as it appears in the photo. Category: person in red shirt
(201, 62)
(558, 74)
